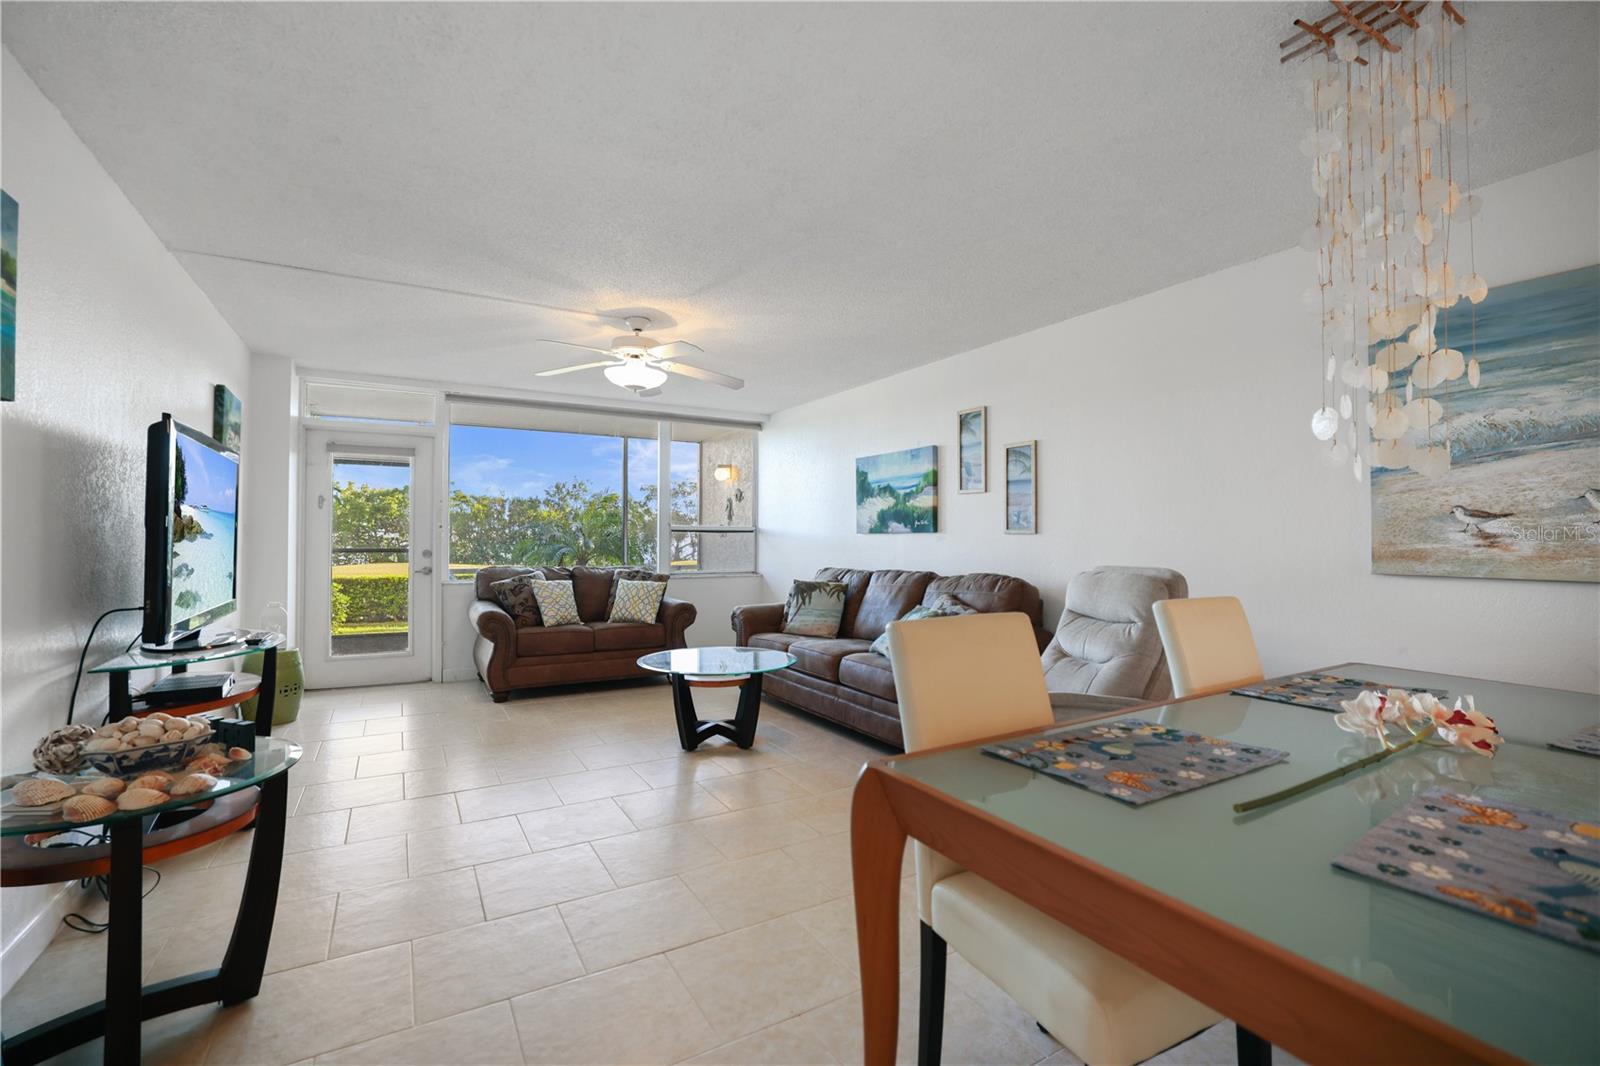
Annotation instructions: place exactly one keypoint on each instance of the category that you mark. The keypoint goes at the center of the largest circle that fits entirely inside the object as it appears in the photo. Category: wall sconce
(725, 472)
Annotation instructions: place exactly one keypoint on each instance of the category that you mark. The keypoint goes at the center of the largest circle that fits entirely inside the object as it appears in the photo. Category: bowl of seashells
(135, 745)
(93, 798)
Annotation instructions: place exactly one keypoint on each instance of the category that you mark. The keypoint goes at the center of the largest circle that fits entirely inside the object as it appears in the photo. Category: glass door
(369, 560)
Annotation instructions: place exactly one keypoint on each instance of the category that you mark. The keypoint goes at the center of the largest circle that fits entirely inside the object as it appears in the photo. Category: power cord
(72, 704)
(79, 922)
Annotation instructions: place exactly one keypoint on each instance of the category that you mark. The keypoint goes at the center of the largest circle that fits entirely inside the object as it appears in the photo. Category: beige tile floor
(549, 880)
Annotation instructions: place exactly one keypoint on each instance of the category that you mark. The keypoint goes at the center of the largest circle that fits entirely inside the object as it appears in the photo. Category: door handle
(424, 570)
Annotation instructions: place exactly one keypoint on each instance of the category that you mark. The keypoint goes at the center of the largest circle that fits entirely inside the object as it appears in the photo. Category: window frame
(664, 528)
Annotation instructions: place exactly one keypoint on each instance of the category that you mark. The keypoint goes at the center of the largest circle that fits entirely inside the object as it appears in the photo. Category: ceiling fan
(641, 364)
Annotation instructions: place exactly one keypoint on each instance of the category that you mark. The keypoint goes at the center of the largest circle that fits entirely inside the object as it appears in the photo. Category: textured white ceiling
(818, 194)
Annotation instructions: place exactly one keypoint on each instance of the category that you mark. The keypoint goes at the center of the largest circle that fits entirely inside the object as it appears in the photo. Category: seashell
(172, 736)
(151, 728)
(1346, 408)
(1394, 454)
(103, 744)
(1393, 358)
(142, 741)
(1475, 288)
(1473, 372)
(139, 798)
(87, 808)
(61, 750)
(108, 730)
(1324, 423)
(38, 791)
(1431, 461)
(155, 779)
(1423, 414)
(240, 754)
(193, 785)
(212, 763)
(195, 731)
(109, 787)
(128, 724)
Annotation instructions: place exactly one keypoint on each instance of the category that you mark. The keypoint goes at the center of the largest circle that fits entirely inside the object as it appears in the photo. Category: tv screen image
(205, 510)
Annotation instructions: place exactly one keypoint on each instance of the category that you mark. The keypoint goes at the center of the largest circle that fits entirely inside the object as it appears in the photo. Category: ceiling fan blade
(585, 347)
(725, 380)
(663, 351)
(570, 369)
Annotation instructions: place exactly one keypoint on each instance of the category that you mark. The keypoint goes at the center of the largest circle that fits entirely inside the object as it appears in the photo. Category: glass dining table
(1245, 912)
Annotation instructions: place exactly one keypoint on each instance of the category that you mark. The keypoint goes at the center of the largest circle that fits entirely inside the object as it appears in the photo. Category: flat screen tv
(191, 508)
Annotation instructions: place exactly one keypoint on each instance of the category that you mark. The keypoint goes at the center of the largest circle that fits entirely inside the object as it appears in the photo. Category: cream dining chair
(1208, 644)
(965, 678)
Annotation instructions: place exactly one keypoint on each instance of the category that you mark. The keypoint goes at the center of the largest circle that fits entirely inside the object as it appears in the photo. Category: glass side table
(690, 668)
(253, 792)
(119, 672)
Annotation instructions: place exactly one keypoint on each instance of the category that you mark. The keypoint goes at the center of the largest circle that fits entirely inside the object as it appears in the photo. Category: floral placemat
(1584, 741)
(1132, 760)
(1527, 867)
(1325, 692)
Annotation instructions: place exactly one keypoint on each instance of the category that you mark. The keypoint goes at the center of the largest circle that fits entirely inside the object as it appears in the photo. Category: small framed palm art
(1022, 487)
(972, 449)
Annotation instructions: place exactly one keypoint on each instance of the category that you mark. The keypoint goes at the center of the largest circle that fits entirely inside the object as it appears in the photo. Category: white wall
(1173, 431)
(271, 490)
(110, 333)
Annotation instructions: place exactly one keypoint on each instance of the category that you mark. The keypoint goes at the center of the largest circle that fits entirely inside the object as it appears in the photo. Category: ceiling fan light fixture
(635, 376)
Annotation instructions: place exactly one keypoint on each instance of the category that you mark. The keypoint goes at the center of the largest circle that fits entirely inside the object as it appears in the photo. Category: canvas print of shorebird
(1519, 497)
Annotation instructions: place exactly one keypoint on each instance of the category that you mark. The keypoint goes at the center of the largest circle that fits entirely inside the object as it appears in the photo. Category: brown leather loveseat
(511, 657)
(840, 678)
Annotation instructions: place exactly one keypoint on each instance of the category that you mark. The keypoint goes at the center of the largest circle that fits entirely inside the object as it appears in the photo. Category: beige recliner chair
(961, 679)
(1106, 652)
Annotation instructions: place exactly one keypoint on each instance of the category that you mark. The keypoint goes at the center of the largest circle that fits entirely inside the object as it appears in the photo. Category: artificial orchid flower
(1368, 715)
(1466, 727)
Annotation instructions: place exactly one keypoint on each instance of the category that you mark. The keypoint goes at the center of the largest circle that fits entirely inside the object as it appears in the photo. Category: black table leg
(266, 695)
(121, 695)
(744, 721)
(124, 955)
(246, 960)
(692, 731)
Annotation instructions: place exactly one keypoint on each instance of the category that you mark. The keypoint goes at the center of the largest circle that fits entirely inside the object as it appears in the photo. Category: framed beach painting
(227, 416)
(972, 438)
(1521, 498)
(898, 492)
(8, 297)
(1022, 487)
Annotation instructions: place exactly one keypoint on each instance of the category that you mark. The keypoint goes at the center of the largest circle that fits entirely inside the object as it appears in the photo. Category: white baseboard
(26, 947)
(460, 673)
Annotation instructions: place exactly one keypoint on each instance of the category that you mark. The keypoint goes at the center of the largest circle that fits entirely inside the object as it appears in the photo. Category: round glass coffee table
(691, 668)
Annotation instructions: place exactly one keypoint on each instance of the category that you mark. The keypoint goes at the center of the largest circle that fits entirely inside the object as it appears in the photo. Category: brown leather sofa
(511, 657)
(840, 679)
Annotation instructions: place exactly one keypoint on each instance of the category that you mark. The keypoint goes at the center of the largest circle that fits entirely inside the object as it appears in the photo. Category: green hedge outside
(370, 598)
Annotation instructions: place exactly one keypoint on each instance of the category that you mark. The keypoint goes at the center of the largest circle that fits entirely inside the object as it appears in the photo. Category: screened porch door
(369, 585)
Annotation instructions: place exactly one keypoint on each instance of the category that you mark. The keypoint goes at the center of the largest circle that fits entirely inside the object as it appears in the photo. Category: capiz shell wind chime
(1393, 236)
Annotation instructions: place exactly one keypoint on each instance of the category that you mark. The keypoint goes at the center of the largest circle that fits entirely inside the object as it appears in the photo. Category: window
(366, 403)
(713, 498)
(552, 487)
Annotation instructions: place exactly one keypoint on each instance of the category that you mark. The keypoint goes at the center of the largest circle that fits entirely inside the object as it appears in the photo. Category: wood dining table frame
(1306, 1009)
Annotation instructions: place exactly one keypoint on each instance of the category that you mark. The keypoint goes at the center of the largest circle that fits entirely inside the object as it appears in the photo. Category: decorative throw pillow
(515, 594)
(556, 603)
(636, 601)
(943, 607)
(623, 574)
(814, 608)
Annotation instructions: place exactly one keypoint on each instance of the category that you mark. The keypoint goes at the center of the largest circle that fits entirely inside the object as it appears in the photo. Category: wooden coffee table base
(692, 730)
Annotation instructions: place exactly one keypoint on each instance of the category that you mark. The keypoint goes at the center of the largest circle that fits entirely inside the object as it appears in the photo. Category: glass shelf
(717, 662)
(272, 757)
(144, 660)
